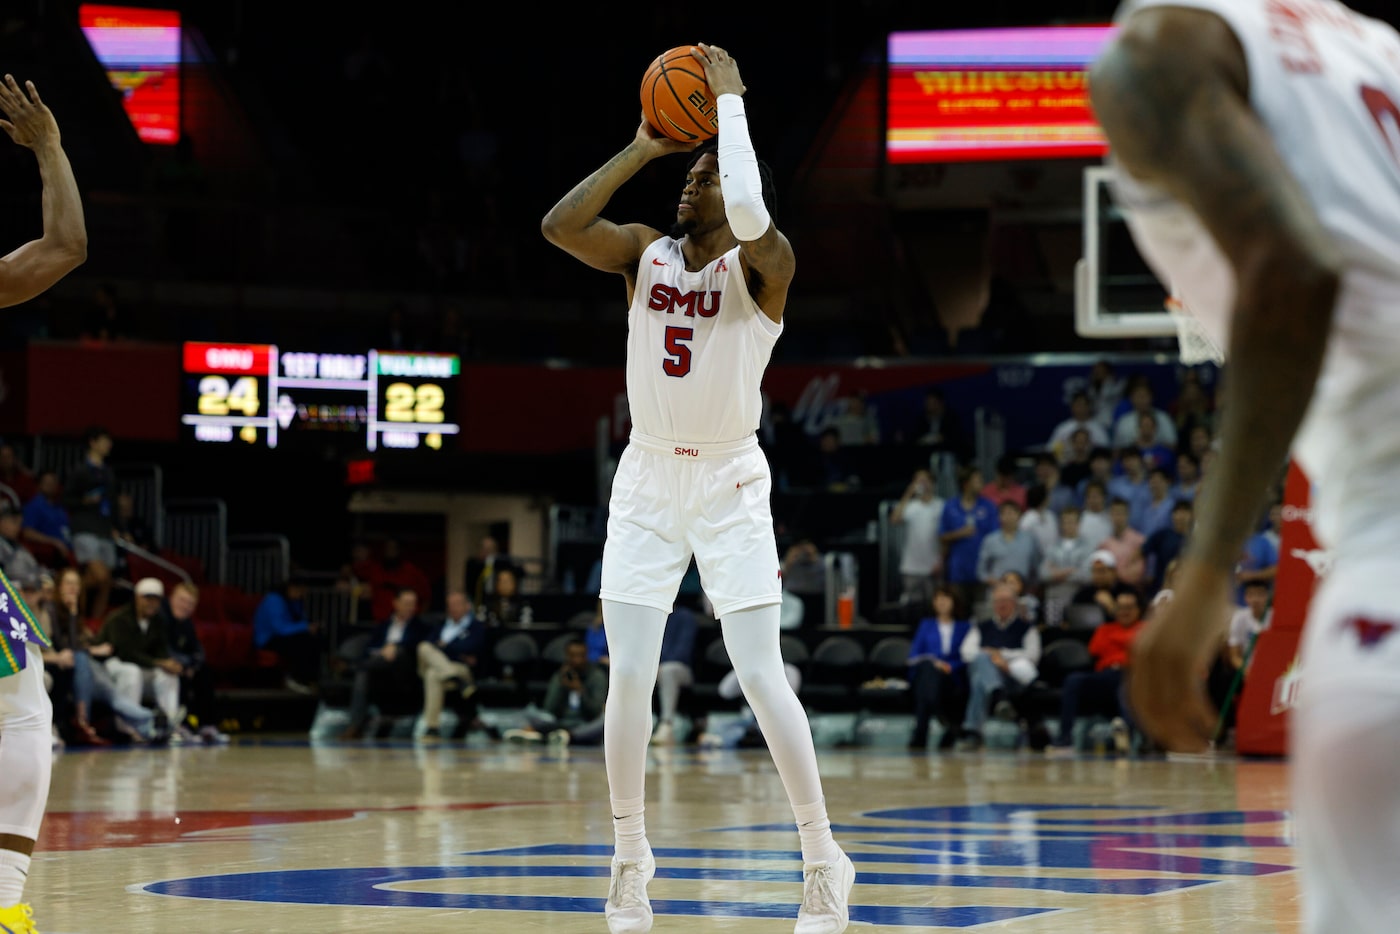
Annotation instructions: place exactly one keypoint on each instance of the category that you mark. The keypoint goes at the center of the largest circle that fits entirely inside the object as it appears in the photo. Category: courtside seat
(834, 673)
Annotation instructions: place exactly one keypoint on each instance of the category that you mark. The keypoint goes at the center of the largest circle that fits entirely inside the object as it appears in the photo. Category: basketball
(676, 99)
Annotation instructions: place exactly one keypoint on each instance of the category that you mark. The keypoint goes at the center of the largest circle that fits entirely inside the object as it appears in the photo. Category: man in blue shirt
(967, 519)
(280, 625)
(46, 521)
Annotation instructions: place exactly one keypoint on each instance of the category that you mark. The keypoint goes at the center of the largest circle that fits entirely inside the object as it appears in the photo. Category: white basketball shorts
(671, 500)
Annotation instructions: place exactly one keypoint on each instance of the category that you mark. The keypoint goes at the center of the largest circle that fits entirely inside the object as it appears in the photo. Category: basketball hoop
(1196, 345)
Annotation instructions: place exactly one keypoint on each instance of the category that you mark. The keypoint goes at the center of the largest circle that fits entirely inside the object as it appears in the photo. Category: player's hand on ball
(721, 71)
(1171, 659)
(660, 145)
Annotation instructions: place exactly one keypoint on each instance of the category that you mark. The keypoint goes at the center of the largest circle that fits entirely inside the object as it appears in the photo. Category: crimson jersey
(697, 346)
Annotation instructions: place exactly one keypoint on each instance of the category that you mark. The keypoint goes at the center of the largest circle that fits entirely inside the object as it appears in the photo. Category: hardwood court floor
(352, 838)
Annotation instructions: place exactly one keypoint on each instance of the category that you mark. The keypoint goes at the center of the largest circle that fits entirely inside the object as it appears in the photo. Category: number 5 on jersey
(678, 363)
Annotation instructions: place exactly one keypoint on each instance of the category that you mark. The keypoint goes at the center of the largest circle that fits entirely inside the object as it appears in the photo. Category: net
(1196, 345)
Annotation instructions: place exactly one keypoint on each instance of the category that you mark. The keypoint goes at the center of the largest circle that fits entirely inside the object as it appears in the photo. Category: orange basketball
(676, 99)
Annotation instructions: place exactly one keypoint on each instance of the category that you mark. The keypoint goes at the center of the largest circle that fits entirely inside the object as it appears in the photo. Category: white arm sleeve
(739, 180)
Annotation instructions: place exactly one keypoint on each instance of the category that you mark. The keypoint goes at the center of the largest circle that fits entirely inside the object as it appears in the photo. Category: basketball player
(26, 716)
(1256, 146)
(706, 307)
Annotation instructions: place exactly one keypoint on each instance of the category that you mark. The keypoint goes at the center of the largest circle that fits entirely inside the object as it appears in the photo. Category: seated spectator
(831, 468)
(64, 635)
(1008, 549)
(1039, 521)
(597, 639)
(1001, 655)
(90, 682)
(17, 561)
(1065, 567)
(128, 526)
(921, 558)
(1106, 389)
(481, 571)
(448, 661)
(804, 575)
(1075, 467)
(89, 490)
(196, 680)
(940, 427)
(857, 424)
(1130, 483)
(140, 664)
(937, 672)
(1103, 687)
(1154, 453)
(1188, 477)
(46, 528)
(1100, 472)
(1081, 418)
(1104, 586)
(1059, 493)
(1164, 545)
(1192, 407)
(572, 709)
(1141, 402)
(1094, 522)
(967, 519)
(742, 730)
(1258, 562)
(388, 670)
(505, 606)
(391, 574)
(1125, 543)
(16, 476)
(1004, 487)
(1027, 602)
(676, 670)
(1231, 665)
(280, 626)
(1155, 512)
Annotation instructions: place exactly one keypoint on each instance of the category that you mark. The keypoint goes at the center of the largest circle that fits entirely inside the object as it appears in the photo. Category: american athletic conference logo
(902, 853)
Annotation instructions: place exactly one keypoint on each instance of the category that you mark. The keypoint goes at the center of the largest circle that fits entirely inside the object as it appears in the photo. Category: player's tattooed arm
(574, 224)
(1172, 93)
(769, 264)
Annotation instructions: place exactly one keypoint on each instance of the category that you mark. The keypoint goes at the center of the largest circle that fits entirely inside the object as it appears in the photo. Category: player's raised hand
(30, 123)
(721, 71)
(658, 144)
(1171, 660)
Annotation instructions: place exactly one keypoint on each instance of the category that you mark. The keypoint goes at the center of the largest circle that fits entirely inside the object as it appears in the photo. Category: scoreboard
(260, 395)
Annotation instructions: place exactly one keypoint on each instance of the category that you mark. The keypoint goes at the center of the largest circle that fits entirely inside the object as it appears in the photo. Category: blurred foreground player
(706, 308)
(25, 713)
(1256, 146)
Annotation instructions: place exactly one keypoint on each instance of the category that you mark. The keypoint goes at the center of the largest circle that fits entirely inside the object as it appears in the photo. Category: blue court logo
(1144, 851)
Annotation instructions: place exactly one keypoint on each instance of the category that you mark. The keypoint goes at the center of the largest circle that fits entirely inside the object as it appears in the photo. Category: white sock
(14, 869)
(630, 828)
(814, 829)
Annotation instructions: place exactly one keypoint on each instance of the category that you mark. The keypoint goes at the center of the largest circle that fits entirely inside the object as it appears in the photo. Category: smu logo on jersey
(670, 300)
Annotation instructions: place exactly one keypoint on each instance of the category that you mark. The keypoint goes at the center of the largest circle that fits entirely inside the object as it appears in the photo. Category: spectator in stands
(196, 680)
(481, 571)
(128, 526)
(1094, 522)
(676, 671)
(804, 576)
(1165, 545)
(46, 526)
(90, 489)
(1155, 454)
(1125, 543)
(596, 639)
(857, 424)
(1065, 568)
(572, 709)
(91, 682)
(389, 667)
(1141, 401)
(1155, 512)
(1248, 621)
(281, 626)
(1076, 468)
(448, 661)
(940, 427)
(921, 557)
(743, 729)
(1198, 443)
(1103, 588)
(1103, 687)
(1188, 477)
(1004, 486)
(1130, 482)
(505, 606)
(937, 672)
(1081, 416)
(966, 521)
(65, 635)
(1100, 470)
(1192, 407)
(391, 575)
(1008, 549)
(831, 468)
(16, 476)
(69, 634)
(1258, 561)
(1059, 494)
(1027, 602)
(141, 666)
(1001, 655)
(1105, 392)
(1039, 521)
(17, 561)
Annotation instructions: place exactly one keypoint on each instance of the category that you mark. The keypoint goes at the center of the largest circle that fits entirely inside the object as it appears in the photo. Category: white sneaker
(628, 909)
(1122, 736)
(826, 893)
(665, 734)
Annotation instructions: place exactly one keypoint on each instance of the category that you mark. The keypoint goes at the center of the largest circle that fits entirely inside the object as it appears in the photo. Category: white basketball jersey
(697, 346)
(1325, 81)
